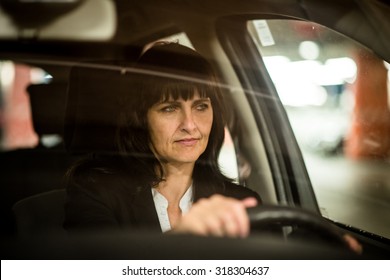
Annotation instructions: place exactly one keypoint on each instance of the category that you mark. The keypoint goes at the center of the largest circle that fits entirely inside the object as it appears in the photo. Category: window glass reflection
(336, 94)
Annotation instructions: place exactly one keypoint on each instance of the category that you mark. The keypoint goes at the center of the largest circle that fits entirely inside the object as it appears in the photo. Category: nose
(187, 121)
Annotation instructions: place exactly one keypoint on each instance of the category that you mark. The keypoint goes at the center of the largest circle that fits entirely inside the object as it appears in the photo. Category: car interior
(84, 51)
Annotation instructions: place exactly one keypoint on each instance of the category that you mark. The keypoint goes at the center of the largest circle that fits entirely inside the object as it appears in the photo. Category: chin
(187, 159)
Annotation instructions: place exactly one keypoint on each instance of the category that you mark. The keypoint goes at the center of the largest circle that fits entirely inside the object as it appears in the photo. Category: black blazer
(99, 197)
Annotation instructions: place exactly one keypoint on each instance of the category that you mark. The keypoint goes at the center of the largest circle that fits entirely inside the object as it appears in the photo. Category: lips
(188, 141)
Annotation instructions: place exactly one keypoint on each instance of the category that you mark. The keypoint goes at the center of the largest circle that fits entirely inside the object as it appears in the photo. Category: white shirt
(161, 204)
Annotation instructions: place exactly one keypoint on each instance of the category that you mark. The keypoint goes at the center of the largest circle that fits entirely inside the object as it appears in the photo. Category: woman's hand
(224, 216)
(217, 216)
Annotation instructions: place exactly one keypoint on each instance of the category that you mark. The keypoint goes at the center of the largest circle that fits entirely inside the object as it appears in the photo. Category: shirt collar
(161, 205)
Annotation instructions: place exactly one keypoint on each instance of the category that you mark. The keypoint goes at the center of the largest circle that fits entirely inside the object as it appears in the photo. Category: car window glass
(336, 94)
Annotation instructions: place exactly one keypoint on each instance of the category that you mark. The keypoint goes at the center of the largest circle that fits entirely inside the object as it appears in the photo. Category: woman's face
(179, 129)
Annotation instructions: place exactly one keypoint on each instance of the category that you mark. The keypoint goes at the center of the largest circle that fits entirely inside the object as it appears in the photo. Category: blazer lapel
(204, 191)
(145, 214)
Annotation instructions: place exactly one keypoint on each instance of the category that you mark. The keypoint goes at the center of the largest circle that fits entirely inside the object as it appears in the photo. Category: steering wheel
(262, 217)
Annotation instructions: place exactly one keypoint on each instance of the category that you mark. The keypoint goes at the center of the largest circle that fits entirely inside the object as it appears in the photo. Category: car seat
(89, 118)
(40, 213)
(29, 172)
(92, 107)
(47, 103)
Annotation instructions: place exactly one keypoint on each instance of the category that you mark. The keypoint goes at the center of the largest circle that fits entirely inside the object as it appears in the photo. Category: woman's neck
(177, 180)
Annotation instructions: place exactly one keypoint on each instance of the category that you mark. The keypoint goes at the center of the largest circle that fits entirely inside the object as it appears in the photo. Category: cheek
(205, 124)
(159, 130)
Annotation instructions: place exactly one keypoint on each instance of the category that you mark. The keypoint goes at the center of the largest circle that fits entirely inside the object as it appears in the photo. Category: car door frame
(292, 182)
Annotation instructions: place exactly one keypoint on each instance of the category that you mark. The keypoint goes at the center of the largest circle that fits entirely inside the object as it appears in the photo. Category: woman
(166, 176)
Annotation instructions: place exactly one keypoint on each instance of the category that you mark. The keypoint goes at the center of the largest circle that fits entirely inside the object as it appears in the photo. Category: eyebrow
(201, 100)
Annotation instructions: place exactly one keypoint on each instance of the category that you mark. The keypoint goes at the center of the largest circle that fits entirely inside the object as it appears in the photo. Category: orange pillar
(369, 135)
(18, 129)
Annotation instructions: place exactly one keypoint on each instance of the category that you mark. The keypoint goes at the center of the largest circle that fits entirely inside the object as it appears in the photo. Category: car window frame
(283, 152)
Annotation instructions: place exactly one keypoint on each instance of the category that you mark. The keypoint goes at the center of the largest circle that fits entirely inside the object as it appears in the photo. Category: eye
(202, 107)
(168, 108)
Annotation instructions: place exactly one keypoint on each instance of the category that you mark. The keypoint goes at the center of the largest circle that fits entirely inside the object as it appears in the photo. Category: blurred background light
(309, 50)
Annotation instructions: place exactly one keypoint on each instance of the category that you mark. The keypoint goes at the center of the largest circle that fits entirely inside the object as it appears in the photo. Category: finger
(225, 216)
(240, 218)
(244, 218)
(249, 202)
(222, 220)
(231, 226)
(214, 227)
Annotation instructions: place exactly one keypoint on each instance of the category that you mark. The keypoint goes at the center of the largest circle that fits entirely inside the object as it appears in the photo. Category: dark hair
(164, 71)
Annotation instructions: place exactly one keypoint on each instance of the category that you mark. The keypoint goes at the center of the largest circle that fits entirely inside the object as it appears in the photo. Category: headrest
(94, 95)
(47, 103)
(175, 59)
